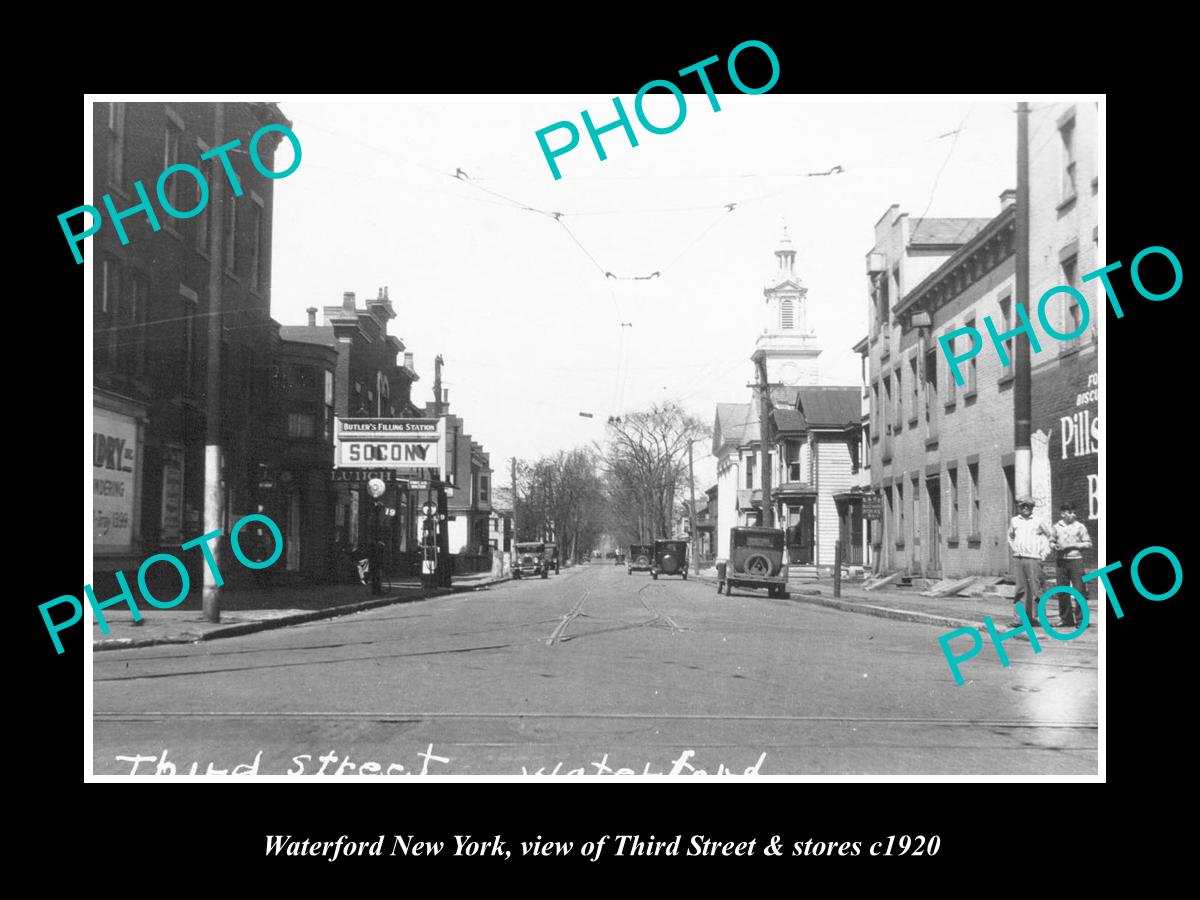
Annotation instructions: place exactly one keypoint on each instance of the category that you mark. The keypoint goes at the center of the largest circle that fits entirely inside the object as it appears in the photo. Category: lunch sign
(391, 444)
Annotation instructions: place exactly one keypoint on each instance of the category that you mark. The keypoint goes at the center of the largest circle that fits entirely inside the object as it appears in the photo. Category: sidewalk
(910, 606)
(245, 610)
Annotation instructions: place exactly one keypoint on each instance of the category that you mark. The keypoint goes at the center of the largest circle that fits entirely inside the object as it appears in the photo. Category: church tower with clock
(788, 343)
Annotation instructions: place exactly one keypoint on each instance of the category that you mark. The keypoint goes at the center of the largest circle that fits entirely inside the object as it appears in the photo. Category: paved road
(595, 670)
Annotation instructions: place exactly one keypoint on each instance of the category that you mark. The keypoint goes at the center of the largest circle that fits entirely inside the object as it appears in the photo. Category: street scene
(413, 455)
(593, 670)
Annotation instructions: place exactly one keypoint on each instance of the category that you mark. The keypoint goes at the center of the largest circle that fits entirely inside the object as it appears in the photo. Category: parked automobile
(529, 558)
(552, 557)
(757, 559)
(641, 558)
(619, 558)
(670, 558)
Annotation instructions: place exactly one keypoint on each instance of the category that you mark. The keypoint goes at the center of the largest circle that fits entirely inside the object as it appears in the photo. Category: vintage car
(641, 558)
(619, 558)
(552, 557)
(670, 558)
(529, 558)
(757, 559)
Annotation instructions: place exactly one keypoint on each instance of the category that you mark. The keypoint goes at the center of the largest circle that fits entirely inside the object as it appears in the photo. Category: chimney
(348, 301)
(408, 361)
(1007, 198)
(312, 316)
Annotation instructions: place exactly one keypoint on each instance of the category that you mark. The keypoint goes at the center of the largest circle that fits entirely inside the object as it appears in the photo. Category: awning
(791, 490)
(748, 499)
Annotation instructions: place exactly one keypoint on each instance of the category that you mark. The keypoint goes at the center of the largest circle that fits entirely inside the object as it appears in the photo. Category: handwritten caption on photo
(335, 764)
(1026, 627)
(622, 120)
(126, 595)
(627, 845)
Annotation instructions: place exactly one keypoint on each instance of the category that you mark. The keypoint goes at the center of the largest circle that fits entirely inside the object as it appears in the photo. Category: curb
(311, 615)
(803, 595)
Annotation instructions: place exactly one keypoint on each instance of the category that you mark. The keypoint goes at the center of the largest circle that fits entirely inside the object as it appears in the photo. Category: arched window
(785, 314)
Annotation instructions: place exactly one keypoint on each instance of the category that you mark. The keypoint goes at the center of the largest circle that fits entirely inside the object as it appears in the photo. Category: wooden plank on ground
(948, 588)
(895, 576)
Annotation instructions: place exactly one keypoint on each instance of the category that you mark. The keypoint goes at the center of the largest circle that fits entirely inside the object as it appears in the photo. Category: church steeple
(789, 344)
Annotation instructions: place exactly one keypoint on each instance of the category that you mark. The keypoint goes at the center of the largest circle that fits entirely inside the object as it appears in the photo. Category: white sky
(527, 324)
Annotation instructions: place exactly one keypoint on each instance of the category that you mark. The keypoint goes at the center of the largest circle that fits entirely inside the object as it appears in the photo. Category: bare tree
(646, 467)
(562, 499)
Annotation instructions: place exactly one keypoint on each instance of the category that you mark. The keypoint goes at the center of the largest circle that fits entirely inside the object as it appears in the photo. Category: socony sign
(397, 454)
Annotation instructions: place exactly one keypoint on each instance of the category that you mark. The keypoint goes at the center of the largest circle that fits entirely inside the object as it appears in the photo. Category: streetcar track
(530, 714)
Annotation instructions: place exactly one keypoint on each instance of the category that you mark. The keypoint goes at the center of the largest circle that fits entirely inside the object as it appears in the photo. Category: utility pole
(1022, 380)
(514, 501)
(764, 409)
(692, 510)
(214, 488)
(444, 574)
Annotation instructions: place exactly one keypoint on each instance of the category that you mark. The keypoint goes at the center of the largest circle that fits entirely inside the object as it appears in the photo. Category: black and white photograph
(704, 431)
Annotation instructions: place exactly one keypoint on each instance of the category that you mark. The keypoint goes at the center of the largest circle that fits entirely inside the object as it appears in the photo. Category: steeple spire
(786, 254)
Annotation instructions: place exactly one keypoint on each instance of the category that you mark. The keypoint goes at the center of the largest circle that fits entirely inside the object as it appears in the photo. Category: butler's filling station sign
(396, 444)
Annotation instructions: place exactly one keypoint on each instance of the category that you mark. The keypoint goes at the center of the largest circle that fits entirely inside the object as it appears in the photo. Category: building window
(749, 473)
(973, 524)
(301, 425)
(129, 326)
(951, 386)
(1072, 315)
(915, 393)
(116, 144)
(328, 405)
(900, 514)
(229, 236)
(899, 411)
(484, 485)
(1006, 316)
(792, 458)
(104, 343)
(931, 395)
(916, 510)
(953, 533)
(170, 158)
(882, 302)
(972, 383)
(1066, 133)
(256, 243)
(785, 314)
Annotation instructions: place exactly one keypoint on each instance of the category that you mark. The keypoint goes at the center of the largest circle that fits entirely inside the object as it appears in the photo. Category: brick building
(941, 454)
(153, 300)
(1063, 246)
(368, 381)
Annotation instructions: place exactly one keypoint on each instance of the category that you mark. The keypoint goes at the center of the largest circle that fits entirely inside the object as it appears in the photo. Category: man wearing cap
(1070, 537)
(1029, 540)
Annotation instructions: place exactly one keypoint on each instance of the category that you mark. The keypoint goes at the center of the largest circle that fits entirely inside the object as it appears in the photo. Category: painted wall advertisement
(114, 477)
(1066, 442)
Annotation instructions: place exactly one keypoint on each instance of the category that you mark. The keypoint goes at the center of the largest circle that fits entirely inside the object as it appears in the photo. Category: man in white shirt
(1029, 540)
